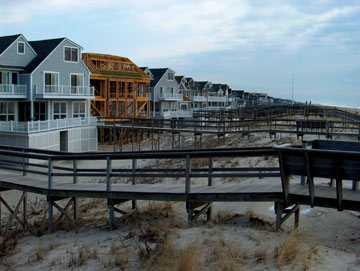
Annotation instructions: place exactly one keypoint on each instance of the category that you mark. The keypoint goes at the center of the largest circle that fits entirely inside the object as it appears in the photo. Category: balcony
(13, 91)
(30, 127)
(63, 92)
(178, 114)
(198, 98)
(170, 97)
(219, 99)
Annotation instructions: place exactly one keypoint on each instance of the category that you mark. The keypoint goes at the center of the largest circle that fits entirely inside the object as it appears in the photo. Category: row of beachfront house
(51, 93)
(174, 96)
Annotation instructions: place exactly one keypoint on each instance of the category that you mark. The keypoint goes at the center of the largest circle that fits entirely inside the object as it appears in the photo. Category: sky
(308, 49)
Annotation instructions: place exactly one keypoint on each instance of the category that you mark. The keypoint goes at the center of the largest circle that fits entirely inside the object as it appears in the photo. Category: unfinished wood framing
(121, 87)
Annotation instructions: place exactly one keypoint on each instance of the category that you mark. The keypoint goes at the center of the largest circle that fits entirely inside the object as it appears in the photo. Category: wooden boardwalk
(63, 182)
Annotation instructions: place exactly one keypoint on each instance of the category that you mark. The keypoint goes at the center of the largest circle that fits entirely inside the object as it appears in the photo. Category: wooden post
(285, 180)
(209, 211)
(50, 214)
(50, 169)
(108, 173)
(133, 180)
(310, 180)
(188, 186)
(210, 171)
(24, 164)
(75, 181)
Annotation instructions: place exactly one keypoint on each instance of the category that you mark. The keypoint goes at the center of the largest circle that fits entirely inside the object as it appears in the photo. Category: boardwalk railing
(193, 164)
(333, 163)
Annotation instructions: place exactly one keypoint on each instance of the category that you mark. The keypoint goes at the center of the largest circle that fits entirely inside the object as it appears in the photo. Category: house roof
(200, 84)
(179, 78)
(143, 68)
(43, 48)
(113, 66)
(6, 41)
(215, 88)
(157, 73)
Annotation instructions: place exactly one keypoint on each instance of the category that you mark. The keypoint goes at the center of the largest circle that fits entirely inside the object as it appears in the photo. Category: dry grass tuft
(224, 255)
(9, 241)
(82, 256)
(293, 251)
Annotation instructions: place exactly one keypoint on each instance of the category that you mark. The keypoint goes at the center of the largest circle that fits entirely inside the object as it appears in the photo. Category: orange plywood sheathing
(121, 87)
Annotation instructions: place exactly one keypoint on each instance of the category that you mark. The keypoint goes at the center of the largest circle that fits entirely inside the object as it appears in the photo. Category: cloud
(175, 28)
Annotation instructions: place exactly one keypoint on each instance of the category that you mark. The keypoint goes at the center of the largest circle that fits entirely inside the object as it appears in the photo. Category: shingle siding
(10, 57)
(55, 63)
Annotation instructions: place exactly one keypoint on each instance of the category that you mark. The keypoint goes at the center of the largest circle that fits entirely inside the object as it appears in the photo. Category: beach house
(45, 95)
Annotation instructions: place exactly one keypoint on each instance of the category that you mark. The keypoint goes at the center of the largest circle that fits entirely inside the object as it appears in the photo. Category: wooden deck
(62, 177)
(271, 191)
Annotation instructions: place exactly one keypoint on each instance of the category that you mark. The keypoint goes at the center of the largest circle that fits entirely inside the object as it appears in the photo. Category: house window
(170, 76)
(7, 111)
(39, 110)
(59, 110)
(51, 82)
(161, 91)
(21, 48)
(79, 110)
(165, 107)
(173, 106)
(77, 81)
(71, 54)
(4, 78)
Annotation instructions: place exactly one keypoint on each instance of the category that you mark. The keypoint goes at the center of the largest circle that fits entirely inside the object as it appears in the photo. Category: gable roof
(179, 78)
(43, 48)
(201, 84)
(6, 41)
(157, 73)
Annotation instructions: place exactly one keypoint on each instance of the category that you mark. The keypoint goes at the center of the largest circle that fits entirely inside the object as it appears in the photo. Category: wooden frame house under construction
(121, 87)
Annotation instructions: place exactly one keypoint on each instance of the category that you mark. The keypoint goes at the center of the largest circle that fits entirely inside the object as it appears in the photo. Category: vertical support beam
(297, 218)
(111, 213)
(302, 178)
(188, 186)
(24, 164)
(209, 211)
(285, 180)
(339, 191)
(50, 169)
(50, 214)
(108, 173)
(310, 180)
(134, 180)
(75, 181)
(279, 207)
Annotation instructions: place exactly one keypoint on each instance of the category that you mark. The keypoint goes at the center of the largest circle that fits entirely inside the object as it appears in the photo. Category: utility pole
(292, 90)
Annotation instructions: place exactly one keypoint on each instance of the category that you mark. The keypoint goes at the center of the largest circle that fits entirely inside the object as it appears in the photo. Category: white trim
(21, 36)
(71, 61)
(17, 48)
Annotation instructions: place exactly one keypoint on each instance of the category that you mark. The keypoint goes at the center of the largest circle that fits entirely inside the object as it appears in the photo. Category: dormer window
(21, 48)
(71, 54)
(170, 76)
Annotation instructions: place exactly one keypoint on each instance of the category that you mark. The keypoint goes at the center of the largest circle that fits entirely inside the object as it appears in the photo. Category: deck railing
(11, 89)
(61, 90)
(45, 125)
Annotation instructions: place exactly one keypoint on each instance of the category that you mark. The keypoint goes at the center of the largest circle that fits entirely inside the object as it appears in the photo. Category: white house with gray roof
(166, 100)
(44, 95)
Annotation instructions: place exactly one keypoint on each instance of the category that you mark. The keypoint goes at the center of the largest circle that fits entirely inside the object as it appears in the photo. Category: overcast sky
(254, 45)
